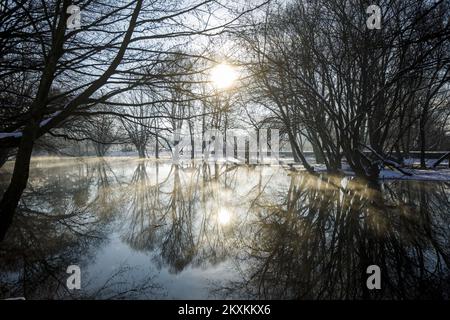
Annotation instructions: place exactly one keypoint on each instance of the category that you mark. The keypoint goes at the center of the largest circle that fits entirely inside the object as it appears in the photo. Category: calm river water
(143, 229)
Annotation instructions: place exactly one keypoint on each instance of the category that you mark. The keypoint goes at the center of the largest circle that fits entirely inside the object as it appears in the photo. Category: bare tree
(90, 65)
(348, 89)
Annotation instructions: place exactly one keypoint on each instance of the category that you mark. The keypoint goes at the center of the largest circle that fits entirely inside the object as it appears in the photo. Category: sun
(224, 216)
(223, 76)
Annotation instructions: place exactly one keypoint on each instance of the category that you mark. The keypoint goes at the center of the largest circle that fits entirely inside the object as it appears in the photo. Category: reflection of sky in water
(191, 283)
(144, 230)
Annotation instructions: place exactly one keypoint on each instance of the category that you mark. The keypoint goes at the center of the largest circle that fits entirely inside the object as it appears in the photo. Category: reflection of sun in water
(224, 216)
(223, 76)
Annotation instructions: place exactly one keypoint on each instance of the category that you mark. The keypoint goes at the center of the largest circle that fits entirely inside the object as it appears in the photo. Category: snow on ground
(442, 173)
(423, 175)
(4, 135)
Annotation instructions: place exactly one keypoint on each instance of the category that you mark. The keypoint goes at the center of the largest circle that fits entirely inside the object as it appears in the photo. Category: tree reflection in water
(62, 220)
(176, 216)
(316, 241)
(283, 236)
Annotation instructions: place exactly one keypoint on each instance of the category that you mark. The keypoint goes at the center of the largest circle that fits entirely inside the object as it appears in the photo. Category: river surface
(141, 229)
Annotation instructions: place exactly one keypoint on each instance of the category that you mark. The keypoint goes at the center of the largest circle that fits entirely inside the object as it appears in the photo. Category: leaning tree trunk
(445, 156)
(298, 154)
(294, 153)
(13, 193)
(4, 155)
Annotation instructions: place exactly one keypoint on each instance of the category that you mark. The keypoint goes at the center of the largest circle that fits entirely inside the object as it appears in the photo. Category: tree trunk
(298, 153)
(203, 131)
(423, 164)
(294, 153)
(318, 154)
(19, 179)
(447, 155)
(422, 134)
(4, 154)
(157, 147)
(191, 133)
(100, 149)
(141, 151)
(400, 157)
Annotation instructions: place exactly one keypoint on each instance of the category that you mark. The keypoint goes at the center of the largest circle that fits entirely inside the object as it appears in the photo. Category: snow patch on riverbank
(422, 175)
